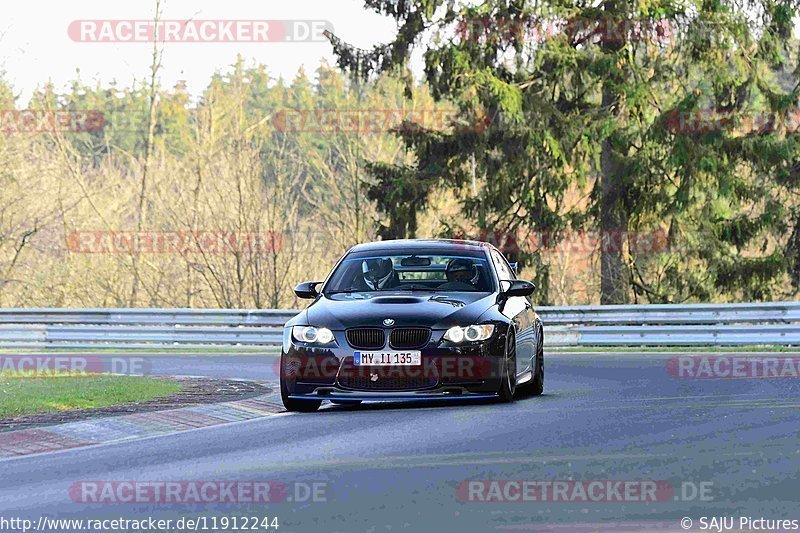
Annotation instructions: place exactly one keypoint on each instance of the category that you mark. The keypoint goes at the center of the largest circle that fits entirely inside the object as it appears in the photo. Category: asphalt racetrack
(711, 447)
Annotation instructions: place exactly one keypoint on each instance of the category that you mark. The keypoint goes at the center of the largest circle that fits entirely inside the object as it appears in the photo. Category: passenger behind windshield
(462, 275)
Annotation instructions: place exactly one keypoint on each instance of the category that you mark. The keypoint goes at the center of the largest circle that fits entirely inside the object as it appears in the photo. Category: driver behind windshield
(378, 273)
(462, 275)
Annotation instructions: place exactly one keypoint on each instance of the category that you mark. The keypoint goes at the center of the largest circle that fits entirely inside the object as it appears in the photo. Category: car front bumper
(447, 372)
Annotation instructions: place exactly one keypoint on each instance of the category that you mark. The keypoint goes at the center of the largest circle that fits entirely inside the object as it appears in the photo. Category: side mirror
(307, 290)
(519, 287)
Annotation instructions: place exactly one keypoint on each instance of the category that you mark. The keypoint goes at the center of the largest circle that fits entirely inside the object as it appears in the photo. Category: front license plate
(411, 358)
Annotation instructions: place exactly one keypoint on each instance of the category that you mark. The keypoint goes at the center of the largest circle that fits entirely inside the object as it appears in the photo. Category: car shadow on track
(441, 404)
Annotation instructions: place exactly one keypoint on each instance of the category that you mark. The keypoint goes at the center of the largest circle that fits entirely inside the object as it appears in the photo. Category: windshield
(438, 272)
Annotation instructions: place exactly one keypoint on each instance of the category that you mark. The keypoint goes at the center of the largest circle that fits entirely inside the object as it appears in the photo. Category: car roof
(420, 244)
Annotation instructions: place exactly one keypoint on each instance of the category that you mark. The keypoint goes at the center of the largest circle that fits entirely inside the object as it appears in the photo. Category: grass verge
(30, 395)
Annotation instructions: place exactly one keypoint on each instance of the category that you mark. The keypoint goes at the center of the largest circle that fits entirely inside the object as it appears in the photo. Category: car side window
(504, 272)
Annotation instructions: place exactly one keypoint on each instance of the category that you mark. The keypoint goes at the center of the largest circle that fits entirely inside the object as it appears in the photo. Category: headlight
(458, 334)
(312, 335)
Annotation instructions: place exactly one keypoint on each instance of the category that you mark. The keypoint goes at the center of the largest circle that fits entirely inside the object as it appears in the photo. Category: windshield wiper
(345, 291)
(413, 288)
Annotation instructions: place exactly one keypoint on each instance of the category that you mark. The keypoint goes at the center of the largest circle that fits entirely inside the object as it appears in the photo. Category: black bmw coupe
(413, 320)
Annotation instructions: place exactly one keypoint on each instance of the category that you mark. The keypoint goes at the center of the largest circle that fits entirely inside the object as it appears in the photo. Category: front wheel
(538, 364)
(292, 404)
(508, 379)
(535, 386)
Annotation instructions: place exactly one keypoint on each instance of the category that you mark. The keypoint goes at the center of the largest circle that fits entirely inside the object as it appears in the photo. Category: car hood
(437, 310)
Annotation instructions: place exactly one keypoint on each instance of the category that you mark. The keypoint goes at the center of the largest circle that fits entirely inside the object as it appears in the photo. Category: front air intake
(403, 338)
(366, 338)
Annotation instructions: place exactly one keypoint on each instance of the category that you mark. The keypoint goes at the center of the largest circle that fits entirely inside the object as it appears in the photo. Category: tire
(537, 387)
(291, 404)
(346, 402)
(508, 379)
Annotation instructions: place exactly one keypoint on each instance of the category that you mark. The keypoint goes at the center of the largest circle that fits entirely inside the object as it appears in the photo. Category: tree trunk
(613, 218)
(613, 225)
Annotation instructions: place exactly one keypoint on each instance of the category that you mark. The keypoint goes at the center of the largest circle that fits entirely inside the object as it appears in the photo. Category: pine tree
(602, 98)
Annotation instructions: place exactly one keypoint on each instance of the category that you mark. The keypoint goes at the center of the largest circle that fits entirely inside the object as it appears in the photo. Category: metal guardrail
(166, 317)
(686, 314)
(247, 330)
(674, 335)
